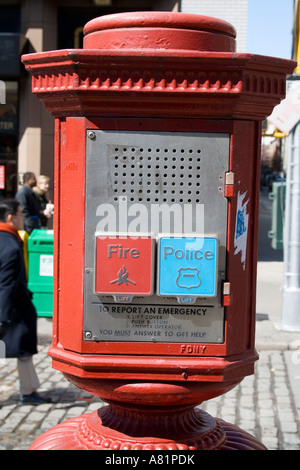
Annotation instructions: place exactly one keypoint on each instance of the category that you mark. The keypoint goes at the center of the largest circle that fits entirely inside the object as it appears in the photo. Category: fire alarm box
(157, 148)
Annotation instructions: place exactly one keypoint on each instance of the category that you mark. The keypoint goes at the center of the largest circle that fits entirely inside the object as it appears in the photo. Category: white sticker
(241, 227)
(2, 92)
(2, 355)
(46, 265)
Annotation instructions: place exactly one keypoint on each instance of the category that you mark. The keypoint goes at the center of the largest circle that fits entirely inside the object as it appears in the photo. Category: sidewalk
(266, 404)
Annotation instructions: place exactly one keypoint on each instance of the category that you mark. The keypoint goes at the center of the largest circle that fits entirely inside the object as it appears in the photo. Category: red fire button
(124, 265)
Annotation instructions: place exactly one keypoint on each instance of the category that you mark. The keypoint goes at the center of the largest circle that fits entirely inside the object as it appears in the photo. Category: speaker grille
(156, 174)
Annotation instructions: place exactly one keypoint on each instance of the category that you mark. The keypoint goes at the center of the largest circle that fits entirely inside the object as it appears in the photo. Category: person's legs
(28, 378)
(29, 382)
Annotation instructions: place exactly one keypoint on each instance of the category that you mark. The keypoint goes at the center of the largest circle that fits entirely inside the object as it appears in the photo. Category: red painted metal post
(156, 109)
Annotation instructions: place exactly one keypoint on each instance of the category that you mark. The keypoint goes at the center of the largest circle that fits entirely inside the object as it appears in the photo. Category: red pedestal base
(118, 427)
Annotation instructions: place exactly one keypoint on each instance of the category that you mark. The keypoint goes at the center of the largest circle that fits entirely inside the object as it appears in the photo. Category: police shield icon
(188, 278)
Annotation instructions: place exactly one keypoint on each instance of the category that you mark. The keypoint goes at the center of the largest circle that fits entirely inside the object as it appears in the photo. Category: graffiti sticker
(241, 227)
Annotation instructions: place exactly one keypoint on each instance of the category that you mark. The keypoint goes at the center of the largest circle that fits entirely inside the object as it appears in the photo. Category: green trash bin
(40, 271)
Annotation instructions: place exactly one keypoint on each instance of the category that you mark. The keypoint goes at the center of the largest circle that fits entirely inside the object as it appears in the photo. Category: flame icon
(122, 277)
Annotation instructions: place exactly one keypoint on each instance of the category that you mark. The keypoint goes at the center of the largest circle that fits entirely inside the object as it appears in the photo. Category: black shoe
(34, 399)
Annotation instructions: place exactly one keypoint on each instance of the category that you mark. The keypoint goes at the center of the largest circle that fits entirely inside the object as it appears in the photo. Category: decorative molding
(216, 85)
(172, 81)
(190, 430)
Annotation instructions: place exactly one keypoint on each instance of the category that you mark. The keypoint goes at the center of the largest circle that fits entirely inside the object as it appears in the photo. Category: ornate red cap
(159, 30)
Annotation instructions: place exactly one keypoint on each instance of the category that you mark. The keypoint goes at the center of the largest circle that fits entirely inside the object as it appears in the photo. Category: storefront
(9, 139)
(11, 46)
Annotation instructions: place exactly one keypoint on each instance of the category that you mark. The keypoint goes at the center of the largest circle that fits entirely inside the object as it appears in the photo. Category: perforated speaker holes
(156, 175)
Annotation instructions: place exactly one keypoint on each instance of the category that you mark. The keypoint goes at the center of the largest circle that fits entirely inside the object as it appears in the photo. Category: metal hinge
(226, 294)
(229, 184)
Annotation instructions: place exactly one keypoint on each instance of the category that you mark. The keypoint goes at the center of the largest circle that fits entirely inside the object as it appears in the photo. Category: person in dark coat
(29, 203)
(41, 192)
(18, 317)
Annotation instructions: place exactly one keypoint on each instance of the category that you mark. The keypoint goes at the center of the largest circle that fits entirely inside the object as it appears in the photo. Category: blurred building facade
(26, 128)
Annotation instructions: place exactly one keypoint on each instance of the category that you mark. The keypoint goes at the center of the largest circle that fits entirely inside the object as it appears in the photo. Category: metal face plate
(158, 184)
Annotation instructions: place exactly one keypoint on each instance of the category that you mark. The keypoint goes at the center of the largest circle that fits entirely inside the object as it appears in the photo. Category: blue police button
(188, 266)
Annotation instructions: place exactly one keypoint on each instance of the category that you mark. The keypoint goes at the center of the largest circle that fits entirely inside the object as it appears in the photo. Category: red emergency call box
(157, 168)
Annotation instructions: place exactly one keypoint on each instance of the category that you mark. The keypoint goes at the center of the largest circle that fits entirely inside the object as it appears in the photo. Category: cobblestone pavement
(263, 404)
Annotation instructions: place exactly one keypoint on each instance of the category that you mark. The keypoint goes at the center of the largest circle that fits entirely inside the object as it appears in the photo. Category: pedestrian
(18, 317)
(29, 203)
(41, 192)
